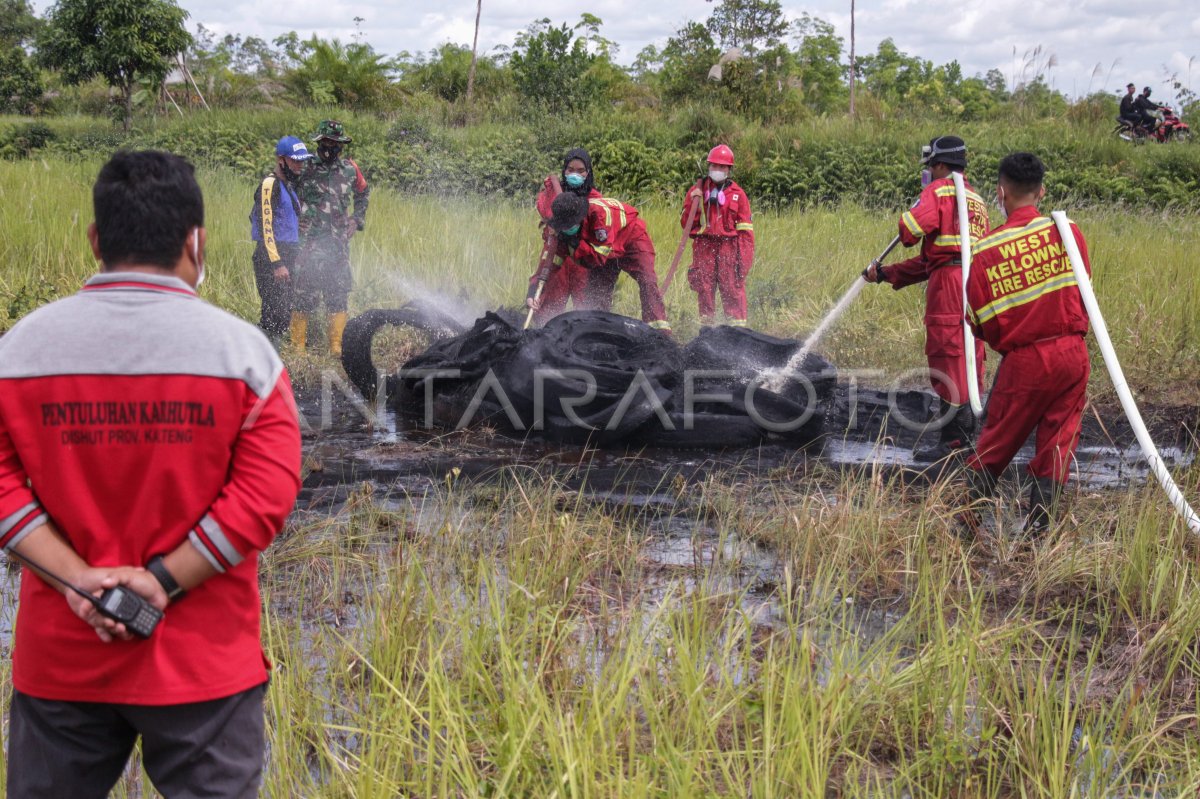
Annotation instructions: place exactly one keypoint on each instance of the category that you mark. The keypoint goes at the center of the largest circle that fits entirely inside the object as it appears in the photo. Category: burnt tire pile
(597, 378)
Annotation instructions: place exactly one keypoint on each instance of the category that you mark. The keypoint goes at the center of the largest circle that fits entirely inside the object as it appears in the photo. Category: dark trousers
(79, 749)
(276, 297)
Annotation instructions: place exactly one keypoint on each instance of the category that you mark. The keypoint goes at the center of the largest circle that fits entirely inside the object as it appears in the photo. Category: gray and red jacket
(137, 416)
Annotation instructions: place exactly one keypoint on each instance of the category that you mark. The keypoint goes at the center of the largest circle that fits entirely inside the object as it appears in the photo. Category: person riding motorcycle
(1144, 107)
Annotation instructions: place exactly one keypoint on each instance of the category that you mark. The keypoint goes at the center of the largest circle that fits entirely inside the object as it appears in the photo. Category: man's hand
(96, 580)
(874, 273)
(696, 194)
(281, 274)
(534, 303)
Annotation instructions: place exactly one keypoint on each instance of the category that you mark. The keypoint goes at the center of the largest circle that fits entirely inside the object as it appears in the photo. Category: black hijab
(588, 184)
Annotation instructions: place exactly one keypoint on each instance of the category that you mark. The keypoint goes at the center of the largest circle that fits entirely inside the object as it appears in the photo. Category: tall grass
(524, 642)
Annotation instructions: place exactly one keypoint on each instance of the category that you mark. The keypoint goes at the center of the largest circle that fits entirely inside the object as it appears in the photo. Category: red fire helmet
(720, 154)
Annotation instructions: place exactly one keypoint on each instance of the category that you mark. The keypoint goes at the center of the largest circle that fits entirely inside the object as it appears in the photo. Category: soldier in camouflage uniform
(327, 190)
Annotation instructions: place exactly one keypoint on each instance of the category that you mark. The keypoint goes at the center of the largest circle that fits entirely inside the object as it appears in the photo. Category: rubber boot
(337, 326)
(299, 330)
(981, 491)
(1044, 494)
(956, 435)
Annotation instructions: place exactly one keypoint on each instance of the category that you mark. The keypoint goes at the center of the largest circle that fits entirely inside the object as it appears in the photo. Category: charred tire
(591, 376)
(360, 332)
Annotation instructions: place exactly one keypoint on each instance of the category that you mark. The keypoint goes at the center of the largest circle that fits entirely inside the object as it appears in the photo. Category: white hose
(1149, 450)
(964, 233)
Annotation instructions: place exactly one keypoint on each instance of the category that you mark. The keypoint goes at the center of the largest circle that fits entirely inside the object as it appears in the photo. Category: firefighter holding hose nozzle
(933, 222)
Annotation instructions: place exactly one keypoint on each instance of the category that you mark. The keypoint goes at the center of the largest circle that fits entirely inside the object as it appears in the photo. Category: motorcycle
(1168, 127)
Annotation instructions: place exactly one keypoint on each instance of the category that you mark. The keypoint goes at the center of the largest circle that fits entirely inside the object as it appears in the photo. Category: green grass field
(519, 640)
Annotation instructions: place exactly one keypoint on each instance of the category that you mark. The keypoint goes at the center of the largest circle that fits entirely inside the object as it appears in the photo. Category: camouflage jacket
(326, 193)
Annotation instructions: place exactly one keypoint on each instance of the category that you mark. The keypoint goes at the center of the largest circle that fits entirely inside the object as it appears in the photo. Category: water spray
(774, 378)
(964, 233)
(1100, 330)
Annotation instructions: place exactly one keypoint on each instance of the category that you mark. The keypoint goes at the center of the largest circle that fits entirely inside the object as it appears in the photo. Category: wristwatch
(159, 570)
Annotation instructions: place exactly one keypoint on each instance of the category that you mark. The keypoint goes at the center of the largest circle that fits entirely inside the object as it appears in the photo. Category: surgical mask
(571, 231)
(576, 181)
(926, 177)
(1000, 203)
(718, 175)
(196, 256)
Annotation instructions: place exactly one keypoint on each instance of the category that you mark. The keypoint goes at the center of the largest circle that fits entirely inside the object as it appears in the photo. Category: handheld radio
(118, 603)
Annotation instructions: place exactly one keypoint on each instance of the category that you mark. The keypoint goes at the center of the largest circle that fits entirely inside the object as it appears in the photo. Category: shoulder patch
(602, 235)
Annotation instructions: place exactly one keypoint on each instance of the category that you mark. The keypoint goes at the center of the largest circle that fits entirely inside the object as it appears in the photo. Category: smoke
(461, 308)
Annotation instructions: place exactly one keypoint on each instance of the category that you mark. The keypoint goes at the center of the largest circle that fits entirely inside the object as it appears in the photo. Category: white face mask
(196, 257)
(1000, 202)
(718, 175)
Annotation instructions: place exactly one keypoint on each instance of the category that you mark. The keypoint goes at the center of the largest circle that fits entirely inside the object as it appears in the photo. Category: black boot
(956, 435)
(981, 491)
(1044, 494)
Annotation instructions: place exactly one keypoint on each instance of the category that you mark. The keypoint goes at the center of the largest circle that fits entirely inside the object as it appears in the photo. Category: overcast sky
(1098, 43)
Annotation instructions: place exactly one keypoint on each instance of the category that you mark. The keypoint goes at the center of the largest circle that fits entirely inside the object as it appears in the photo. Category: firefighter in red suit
(141, 426)
(607, 237)
(1025, 303)
(569, 280)
(722, 240)
(933, 222)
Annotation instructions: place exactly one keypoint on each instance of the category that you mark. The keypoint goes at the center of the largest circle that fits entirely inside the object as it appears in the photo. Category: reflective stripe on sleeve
(744, 226)
(208, 537)
(910, 222)
(20, 524)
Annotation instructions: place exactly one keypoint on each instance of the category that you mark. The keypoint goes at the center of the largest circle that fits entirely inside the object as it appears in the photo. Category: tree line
(125, 57)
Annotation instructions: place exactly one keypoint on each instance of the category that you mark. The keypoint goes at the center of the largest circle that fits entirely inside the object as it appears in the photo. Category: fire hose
(1100, 330)
(687, 231)
(964, 233)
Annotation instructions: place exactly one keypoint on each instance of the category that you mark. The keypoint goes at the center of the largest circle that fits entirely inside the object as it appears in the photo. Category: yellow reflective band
(994, 309)
(607, 210)
(1004, 236)
(743, 226)
(268, 221)
(558, 260)
(948, 191)
(738, 323)
(602, 249)
(954, 241)
(910, 222)
(660, 324)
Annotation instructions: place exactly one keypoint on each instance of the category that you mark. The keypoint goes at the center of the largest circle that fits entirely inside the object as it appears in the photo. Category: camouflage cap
(332, 129)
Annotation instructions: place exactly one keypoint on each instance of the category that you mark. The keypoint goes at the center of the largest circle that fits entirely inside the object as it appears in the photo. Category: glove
(879, 275)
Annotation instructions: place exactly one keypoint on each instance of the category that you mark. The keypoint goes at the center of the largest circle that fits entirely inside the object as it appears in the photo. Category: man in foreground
(1024, 302)
(933, 222)
(150, 440)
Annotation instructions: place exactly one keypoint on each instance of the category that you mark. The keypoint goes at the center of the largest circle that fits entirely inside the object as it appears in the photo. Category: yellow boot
(337, 326)
(299, 330)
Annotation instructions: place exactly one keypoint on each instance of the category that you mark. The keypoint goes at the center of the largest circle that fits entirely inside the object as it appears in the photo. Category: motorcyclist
(1143, 106)
(1129, 112)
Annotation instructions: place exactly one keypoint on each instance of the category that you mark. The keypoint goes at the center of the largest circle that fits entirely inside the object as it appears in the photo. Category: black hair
(579, 154)
(1023, 171)
(145, 203)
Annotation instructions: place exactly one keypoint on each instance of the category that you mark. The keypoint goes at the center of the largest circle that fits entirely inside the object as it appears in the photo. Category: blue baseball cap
(291, 147)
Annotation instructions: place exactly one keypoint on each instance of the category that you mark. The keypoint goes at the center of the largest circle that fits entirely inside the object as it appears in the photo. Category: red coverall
(568, 281)
(933, 221)
(1025, 303)
(612, 239)
(722, 248)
